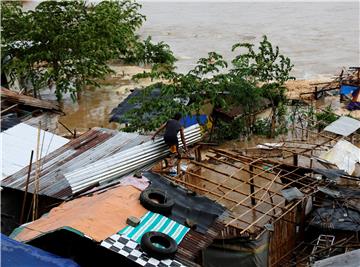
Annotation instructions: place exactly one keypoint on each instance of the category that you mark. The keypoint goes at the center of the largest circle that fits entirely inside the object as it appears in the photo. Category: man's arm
(183, 138)
(158, 131)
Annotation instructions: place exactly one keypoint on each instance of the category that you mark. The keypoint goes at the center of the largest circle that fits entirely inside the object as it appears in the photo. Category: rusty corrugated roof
(93, 145)
(193, 242)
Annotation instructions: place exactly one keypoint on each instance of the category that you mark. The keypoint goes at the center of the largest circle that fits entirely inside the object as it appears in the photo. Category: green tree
(68, 43)
(253, 77)
(158, 55)
(201, 84)
(269, 70)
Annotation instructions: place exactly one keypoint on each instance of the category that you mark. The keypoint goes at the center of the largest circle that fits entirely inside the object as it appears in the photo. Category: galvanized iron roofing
(343, 126)
(90, 147)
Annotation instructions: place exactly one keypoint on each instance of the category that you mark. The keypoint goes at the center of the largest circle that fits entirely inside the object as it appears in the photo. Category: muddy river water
(94, 107)
(318, 37)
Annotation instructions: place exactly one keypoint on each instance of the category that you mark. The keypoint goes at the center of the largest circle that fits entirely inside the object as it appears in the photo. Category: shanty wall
(283, 238)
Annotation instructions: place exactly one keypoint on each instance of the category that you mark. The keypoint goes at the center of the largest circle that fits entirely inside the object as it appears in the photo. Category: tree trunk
(78, 95)
(273, 122)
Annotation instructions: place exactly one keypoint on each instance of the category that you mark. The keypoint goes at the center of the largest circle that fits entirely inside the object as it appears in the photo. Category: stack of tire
(157, 244)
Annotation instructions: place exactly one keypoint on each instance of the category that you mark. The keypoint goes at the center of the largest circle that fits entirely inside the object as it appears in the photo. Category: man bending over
(172, 127)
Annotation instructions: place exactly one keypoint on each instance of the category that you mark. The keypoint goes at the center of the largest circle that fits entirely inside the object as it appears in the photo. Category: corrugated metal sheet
(193, 242)
(349, 259)
(343, 126)
(17, 143)
(88, 148)
(124, 162)
(344, 155)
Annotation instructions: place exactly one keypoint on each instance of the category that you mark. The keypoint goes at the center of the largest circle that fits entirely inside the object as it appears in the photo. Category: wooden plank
(14, 97)
(230, 190)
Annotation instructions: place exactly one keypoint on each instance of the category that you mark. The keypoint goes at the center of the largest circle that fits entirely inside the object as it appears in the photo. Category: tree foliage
(185, 93)
(256, 74)
(68, 43)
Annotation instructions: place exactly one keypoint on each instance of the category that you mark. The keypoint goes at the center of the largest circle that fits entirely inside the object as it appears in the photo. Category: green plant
(267, 68)
(262, 127)
(158, 55)
(67, 44)
(254, 76)
(325, 117)
(202, 84)
(230, 130)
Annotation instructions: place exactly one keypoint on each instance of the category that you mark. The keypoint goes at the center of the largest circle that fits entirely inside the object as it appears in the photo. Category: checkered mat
(131, 250)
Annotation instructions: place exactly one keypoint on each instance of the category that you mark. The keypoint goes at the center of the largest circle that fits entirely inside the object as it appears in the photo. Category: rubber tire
(147, 245)
(163, 207)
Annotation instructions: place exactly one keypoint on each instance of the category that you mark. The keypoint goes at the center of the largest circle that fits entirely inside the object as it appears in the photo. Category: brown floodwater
(94, 107)
(92, 110)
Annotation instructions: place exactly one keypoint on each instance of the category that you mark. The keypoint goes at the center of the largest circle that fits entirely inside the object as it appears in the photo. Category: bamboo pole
(261, 201)
(26, 188)
(264, 177)
(225, 174)
(9, 108)
(271, 167)
(213, 193)
(261, 198)
(227, 187)
(231, 176)
(34, 215)
(261, 217)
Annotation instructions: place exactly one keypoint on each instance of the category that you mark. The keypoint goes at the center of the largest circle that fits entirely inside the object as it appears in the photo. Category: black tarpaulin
(338, 213)
(199, 209)
(117, 114)
(8, 121)
(332, 174)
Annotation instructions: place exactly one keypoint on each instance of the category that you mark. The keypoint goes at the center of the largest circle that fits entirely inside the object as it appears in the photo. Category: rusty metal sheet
(93, 145)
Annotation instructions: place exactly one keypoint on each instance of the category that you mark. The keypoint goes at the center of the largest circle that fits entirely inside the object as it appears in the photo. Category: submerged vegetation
(67, 44)
(255, 75)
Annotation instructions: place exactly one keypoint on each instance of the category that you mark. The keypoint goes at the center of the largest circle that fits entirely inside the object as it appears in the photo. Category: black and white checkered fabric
(132, 250)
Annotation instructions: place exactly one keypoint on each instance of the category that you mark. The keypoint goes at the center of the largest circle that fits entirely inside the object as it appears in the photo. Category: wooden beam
(228, 188)
(225, 174)
(231, 176)
(251, 180)
(9, 108)
(266, 191)
(213, 193)
(271, 167)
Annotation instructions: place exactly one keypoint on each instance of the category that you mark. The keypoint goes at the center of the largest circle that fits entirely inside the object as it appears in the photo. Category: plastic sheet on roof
(344, 155)
(198, 209)
(14, 254)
